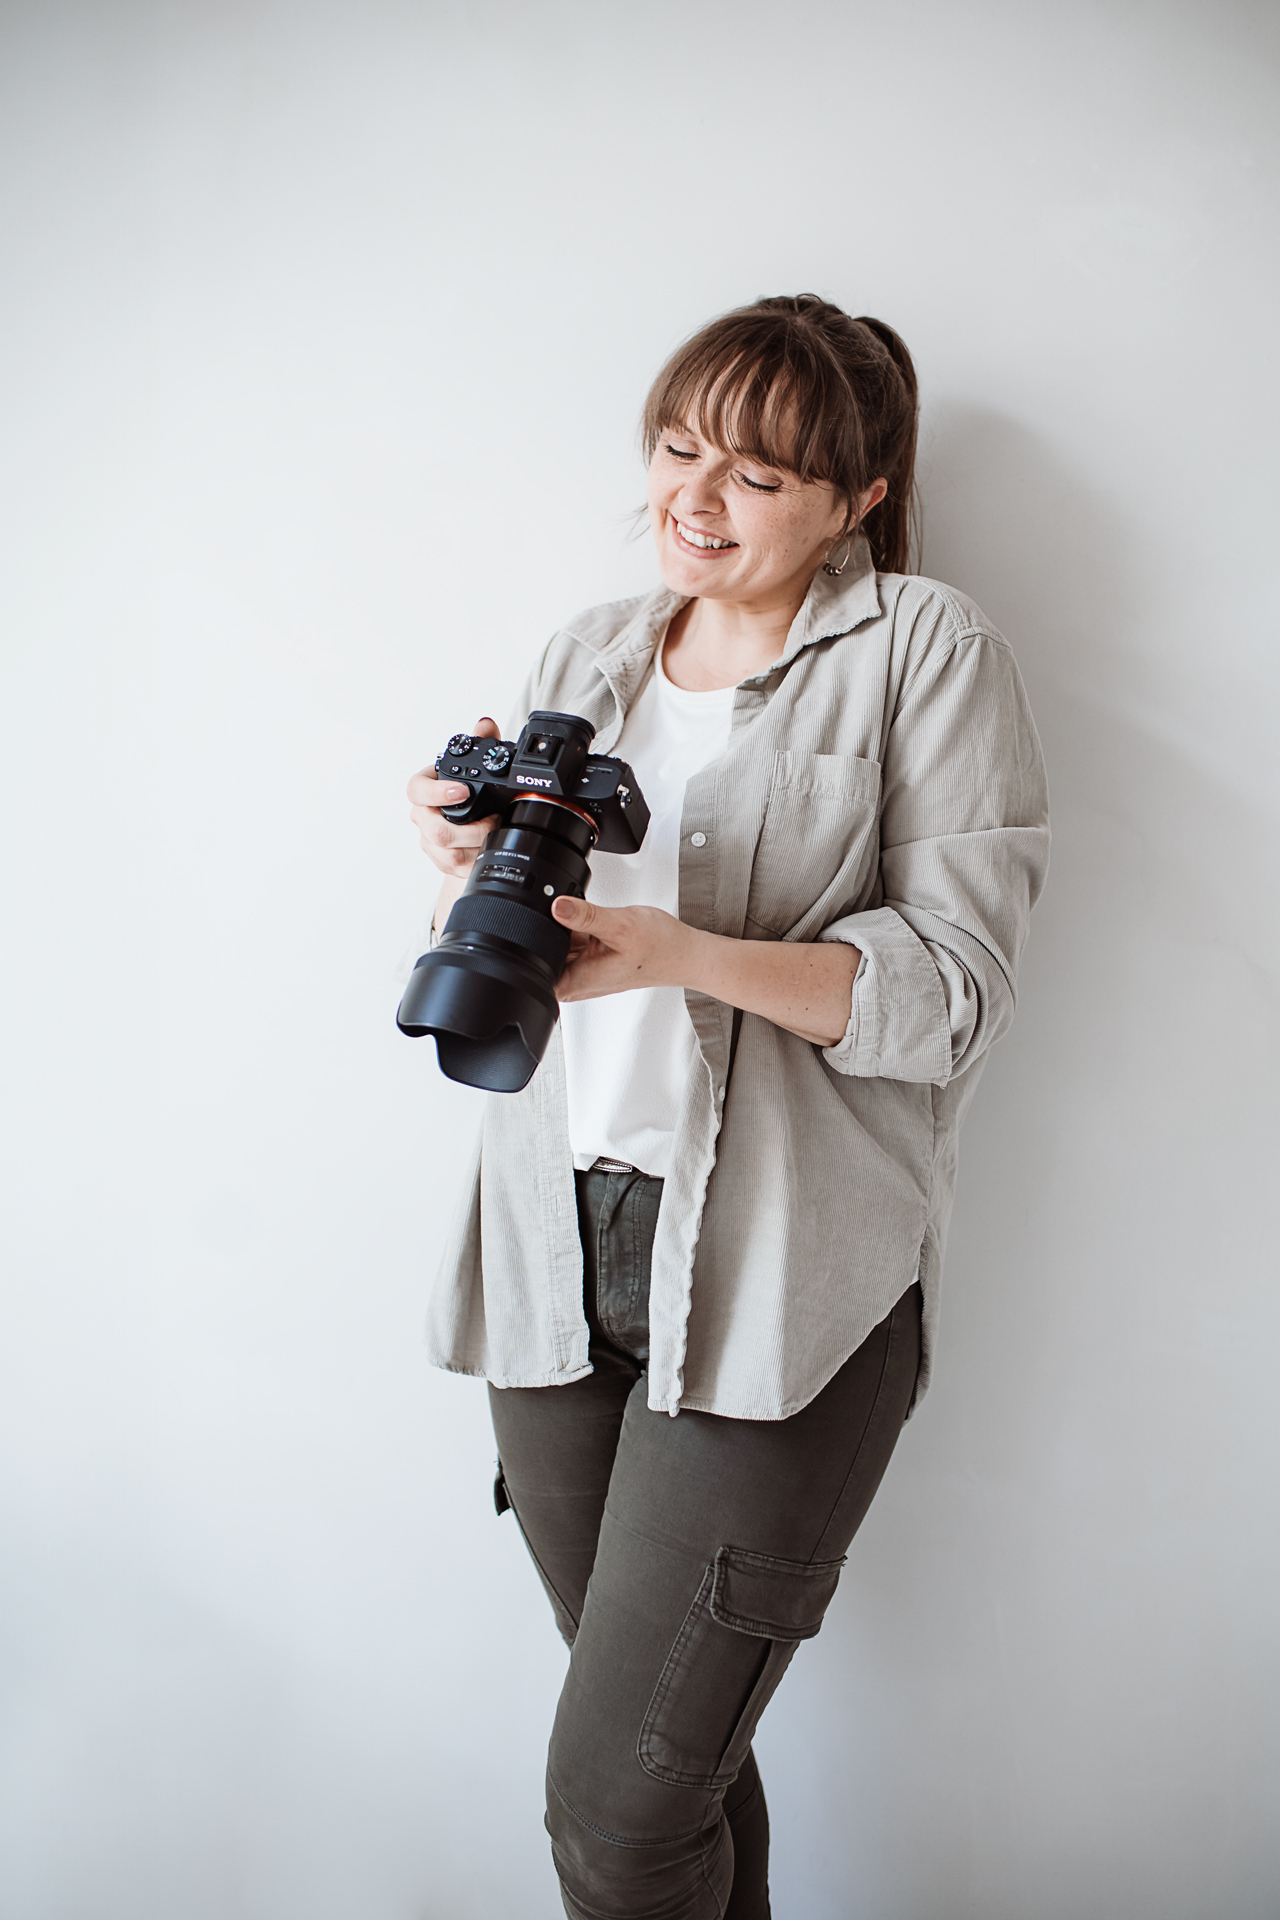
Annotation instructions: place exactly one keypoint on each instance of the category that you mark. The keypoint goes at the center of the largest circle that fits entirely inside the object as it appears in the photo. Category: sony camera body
(487, 991)
(550, 757)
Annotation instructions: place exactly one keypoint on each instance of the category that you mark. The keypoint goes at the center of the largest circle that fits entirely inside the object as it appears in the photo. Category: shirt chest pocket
(818, 843)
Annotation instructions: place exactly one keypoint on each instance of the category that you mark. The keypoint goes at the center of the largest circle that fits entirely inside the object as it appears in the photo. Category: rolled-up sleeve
(964, 849)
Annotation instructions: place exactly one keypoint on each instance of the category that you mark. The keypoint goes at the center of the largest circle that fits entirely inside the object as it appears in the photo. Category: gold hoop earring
(848, 549)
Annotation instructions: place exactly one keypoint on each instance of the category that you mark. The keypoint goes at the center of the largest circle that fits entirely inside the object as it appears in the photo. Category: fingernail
(455, 793)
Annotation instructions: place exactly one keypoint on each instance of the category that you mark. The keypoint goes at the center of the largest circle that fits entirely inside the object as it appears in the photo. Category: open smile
(700, 542)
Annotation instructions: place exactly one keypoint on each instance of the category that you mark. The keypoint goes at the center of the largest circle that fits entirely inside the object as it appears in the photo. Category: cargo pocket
(736, 1642)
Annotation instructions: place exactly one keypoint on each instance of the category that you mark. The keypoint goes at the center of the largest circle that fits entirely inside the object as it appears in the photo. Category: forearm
(805, 988)
(808, 989)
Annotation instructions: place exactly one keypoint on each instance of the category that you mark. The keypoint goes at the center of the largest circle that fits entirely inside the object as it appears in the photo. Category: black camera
(487, 992)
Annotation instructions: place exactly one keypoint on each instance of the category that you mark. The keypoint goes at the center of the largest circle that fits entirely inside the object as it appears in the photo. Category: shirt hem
(504, 1381)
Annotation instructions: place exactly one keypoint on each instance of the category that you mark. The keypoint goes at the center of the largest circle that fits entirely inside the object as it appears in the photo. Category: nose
(701, 493)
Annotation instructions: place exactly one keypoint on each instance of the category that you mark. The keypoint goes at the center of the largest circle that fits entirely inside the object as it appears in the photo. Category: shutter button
(698, 839)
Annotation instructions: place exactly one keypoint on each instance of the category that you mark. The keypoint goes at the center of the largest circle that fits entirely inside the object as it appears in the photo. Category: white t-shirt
(629, 1055)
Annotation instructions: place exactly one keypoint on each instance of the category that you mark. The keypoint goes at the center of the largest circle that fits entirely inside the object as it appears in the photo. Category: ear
(874, 494)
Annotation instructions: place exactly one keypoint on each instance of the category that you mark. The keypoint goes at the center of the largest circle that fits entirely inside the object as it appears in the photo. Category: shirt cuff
(899, 1027)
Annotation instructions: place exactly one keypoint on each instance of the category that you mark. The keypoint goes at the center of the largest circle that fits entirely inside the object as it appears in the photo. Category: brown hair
(796, 383)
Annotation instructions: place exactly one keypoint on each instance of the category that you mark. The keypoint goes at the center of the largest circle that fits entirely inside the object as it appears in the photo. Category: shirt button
(698, 839)
(719, 1093)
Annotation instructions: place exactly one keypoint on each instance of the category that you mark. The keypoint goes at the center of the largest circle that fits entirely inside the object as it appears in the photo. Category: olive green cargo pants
(685, 1559)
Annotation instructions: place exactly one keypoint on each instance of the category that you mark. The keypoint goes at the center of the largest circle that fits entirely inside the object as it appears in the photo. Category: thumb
(486, 728)
(575, 913)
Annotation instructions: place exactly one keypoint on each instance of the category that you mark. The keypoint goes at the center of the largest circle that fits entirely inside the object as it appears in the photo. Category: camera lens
(487, 992)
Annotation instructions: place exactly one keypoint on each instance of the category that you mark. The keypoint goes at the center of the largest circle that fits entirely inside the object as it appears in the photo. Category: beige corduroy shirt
(884, 785)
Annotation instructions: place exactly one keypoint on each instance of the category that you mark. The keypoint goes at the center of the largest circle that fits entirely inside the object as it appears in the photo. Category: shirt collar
(835, 604)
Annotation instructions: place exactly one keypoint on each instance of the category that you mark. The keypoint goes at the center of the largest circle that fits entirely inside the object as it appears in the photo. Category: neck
(717, 643)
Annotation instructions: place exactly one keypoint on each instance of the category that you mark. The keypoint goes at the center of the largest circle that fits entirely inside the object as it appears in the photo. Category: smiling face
(731, 529)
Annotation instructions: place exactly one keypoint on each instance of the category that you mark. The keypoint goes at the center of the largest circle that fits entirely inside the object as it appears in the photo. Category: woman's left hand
(612, 949)
(806, 988)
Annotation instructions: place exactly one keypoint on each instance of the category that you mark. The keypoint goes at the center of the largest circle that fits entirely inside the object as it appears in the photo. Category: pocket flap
(776, 1599)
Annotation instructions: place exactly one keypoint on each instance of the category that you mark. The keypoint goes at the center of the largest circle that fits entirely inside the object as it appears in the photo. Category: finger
(426, 791)
(437, 832)
(447, 833)
(487, 728)
(592, 973)
(454, 860)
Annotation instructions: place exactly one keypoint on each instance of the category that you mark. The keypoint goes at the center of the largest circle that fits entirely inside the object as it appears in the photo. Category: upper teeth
(701, 539)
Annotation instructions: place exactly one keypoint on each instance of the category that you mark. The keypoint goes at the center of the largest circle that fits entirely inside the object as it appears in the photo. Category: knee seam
(602, 1833)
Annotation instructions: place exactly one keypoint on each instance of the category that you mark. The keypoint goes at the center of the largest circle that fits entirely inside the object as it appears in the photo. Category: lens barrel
(487, 991)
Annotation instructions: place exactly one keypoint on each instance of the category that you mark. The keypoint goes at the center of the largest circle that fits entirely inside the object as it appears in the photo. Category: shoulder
(597, 626)
(613, 626)
(933, 610)
(935, 625)
(610, 639)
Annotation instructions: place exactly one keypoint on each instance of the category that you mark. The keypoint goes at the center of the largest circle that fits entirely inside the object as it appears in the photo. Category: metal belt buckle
(612, 1166)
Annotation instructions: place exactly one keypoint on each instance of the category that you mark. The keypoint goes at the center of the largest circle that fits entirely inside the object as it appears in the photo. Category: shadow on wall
(1150, 983)
(1152, 887)
(1155, 891)
(987, 1632)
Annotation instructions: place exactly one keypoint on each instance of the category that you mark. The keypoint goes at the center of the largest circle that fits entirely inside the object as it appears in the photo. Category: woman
(724, 1194)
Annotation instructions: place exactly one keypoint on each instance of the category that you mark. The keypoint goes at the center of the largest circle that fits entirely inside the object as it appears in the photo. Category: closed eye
(756, 486)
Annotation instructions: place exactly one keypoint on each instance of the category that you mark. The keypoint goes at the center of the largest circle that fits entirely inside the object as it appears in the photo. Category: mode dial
(496, 758)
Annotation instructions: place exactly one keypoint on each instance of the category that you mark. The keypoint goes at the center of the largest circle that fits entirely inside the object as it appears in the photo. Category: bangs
(772, 400)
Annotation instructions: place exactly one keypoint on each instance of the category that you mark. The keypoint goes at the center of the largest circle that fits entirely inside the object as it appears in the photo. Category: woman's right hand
(451, 848)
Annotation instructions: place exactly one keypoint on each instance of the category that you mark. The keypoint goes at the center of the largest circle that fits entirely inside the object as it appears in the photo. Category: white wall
(325, 329)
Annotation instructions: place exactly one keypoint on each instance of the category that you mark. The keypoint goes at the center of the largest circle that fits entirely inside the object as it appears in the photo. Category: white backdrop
(325, 331)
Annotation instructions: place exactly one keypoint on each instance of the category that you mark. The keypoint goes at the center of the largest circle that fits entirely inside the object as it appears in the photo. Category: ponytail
(893, 528)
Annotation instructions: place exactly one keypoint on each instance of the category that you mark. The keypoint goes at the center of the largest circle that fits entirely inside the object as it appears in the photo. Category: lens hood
(490, 1016)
